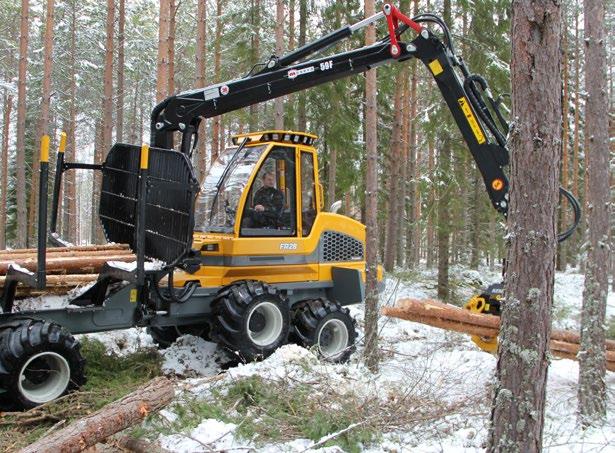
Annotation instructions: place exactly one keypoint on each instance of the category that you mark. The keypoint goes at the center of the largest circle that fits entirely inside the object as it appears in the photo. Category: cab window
(308, 193)
(270, 206)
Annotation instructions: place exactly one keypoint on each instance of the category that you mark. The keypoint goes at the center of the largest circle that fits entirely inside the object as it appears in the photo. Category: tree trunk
(201, 58)
(162, 75)
(20, 187)
(393, 177)
(518, 406)
(432, 202)
(301, 100)
(592, 388)
(331, 176)
(476, 221)
(6, 124)
(70, 180)
(119, 115)
(372, 355)
(171, 40)
(563, 217)
(278, 114)
(577, 125)
(255, 54)
(443, 227)
(215, 141)
(112, 418)
(43, 123)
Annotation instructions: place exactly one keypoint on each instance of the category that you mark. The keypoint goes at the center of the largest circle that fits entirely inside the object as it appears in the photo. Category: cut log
(112, 418)
(70, 265)
(433, 309)
(564, 344)
(65, 254)
(77, 248)
(70, 280)
(440, 321)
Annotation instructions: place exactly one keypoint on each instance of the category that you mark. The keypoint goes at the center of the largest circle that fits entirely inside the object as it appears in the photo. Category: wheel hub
(265, 324)
(44, 377)
(257, 322)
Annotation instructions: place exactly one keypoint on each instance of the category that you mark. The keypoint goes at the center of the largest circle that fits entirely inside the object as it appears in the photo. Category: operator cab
(264, 186)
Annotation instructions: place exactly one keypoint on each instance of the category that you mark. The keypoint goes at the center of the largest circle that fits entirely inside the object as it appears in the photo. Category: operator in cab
(268, 203)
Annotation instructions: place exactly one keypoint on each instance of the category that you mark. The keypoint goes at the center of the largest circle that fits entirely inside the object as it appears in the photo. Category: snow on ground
(419, 361)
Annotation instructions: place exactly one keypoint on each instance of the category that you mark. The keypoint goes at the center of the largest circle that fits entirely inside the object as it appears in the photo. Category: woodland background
(96, 69)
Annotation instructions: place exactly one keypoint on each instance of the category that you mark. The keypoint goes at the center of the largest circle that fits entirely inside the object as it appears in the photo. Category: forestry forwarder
(251, 273)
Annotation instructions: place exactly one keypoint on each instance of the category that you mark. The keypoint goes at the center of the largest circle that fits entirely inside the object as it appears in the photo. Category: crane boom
(479, 120)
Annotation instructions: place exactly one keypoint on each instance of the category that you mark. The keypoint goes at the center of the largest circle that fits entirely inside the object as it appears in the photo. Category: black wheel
(39, 362)
(327, 327)
(167, 335)
(251, 319)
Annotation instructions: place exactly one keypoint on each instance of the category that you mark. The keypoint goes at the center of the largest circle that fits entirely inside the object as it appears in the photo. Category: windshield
(219, 198)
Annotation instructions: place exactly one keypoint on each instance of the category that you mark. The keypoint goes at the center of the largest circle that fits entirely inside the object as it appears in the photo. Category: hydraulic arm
(468, 97)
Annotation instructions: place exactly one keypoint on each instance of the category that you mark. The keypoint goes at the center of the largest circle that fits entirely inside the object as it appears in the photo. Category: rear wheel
(327, 327)
(251, 319)
(39, 362)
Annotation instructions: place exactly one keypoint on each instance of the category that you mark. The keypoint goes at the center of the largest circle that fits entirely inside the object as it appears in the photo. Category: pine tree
(20, 188)
(4, 169)
(372, 357)
(592, 360)
(521, 375)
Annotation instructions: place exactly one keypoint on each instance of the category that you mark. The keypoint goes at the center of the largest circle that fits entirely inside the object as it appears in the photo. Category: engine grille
(340, 247)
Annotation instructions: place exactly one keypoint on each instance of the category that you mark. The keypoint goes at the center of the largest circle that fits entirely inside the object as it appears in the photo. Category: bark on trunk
(20, 187)
(201, 58)
(393, 178)
(444, 219)
(162, 76)
(371, 206)
(112, 418)
(172, 25)
(563, 214)
(70, 180)
(72, 265)
(303, 17)
(592, 388)
(217, 121)
(4, 176)
(278, 114)
(119, 109)
(518, 406)
(43, 123)
(255, 51)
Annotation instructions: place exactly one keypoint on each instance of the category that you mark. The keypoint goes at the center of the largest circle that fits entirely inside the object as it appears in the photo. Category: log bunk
(564, 343)
(67, 267)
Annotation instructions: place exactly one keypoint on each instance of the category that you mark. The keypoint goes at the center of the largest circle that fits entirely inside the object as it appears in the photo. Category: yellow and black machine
(250, 259)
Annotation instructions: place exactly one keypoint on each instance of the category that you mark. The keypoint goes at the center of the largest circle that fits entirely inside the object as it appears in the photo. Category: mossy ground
(109, 377)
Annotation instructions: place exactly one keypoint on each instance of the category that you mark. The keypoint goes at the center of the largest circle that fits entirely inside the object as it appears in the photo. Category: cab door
(272, 244)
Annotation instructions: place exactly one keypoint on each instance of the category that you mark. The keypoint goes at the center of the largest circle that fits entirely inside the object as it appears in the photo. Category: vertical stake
(57, 184)
(41, 278)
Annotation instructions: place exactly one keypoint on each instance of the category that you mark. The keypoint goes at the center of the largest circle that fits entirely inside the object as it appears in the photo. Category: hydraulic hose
(574, 203)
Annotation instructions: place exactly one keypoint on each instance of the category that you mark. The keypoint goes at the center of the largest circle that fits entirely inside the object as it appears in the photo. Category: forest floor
(432, 392)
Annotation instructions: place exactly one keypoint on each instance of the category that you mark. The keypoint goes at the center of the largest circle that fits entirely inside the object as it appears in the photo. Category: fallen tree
(112, 418)
(564, 343)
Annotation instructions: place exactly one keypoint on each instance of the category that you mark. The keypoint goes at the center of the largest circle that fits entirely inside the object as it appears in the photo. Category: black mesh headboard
(171, 192)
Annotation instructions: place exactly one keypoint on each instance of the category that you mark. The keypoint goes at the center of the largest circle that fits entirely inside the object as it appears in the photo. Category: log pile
(67, 267)
(564, 343)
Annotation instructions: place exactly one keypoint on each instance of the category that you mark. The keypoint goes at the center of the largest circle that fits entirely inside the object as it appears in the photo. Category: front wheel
(39, 362)
(327, 327)
(251, 319)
